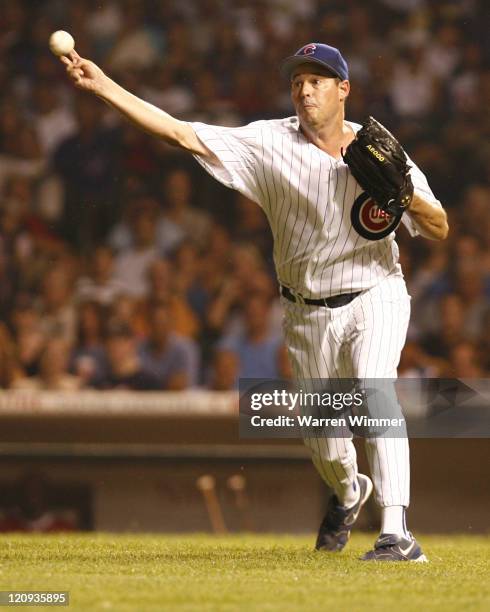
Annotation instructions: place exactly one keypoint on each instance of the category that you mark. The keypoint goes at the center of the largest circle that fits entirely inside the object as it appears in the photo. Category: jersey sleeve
(236, 150)
(421, 188)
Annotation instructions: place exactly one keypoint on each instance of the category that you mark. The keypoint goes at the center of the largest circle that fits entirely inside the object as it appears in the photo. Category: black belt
(335, 301)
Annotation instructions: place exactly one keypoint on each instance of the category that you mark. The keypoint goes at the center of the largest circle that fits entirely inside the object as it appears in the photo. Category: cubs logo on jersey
(369, 221)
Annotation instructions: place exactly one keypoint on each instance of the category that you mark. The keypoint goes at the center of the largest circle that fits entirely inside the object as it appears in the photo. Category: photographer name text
(310, 421)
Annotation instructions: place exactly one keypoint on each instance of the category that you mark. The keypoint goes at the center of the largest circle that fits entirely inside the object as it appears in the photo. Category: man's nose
(305, 90)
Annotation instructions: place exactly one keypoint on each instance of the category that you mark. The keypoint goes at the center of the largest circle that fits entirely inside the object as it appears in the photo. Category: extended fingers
(73, 63)
(75, 58)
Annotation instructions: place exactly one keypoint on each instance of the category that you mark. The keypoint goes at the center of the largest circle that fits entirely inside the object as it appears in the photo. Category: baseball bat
(207, 485)
(238, 485)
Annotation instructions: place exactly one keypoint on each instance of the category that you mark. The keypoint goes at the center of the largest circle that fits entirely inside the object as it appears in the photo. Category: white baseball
(61, 43)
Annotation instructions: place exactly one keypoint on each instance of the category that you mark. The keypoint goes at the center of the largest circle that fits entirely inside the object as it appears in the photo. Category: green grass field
(260, 573)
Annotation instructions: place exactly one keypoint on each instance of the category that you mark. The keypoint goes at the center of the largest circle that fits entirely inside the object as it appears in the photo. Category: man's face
(316, 94)
(160, 324)
(120, 349)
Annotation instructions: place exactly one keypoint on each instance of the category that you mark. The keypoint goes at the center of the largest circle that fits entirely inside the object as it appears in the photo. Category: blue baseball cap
(317, 53)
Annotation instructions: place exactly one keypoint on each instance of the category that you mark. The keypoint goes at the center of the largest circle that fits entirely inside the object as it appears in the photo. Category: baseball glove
(379, 164)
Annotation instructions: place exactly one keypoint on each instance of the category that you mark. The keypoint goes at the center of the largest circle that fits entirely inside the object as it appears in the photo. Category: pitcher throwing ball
(334, 192)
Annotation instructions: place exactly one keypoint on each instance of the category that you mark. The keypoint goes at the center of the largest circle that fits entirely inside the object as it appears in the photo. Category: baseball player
(333, 192)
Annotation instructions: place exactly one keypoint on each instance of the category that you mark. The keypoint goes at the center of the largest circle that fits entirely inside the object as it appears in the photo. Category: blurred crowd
(123, 265)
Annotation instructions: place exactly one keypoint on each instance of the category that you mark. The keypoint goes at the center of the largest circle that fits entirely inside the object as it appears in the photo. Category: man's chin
(309, 119)
(309, 113)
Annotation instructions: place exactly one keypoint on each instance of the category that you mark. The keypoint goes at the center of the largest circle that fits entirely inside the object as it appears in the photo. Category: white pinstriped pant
(363, 339)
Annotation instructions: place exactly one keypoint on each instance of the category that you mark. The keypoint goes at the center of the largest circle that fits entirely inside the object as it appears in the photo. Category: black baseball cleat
(335, 529)
(392, 547)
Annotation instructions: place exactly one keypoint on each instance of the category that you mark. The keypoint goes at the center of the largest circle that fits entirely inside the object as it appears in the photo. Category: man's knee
(331, 450)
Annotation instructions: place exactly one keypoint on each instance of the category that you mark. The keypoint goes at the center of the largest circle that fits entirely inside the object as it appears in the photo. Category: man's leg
(315, 353)
(382, 316)
(315, 338)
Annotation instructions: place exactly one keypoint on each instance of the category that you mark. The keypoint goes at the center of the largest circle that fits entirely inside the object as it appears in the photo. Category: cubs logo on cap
(319, 54)
(308, 49)
(370, 221)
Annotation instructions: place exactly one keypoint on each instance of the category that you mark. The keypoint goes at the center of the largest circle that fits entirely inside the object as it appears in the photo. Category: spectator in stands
(136, 46)
(18, 231)
(258, 284)
(172, 359)
(213, 107)
(464, 362)
(256, 348)
(363, 46)
(53, 370)
(100, 285)
(53, 120)
(181, 219)
(28, 335)
(186, 261)
(166, 286)
(215, 259)
(124, 310)
(140, 160)
(131, 265)
(463, 87)
(224, 370)
(121, 237)
(160, 280)
(450, 329)
(413, 88)
(212, 275)
(247, 97)
(247, 277)
(29, 242)
(165, 91)
(88, 358)
(444, 52)
(20, 152)
(125, 367)
(56, 305)
(246, 264)
(87, 163)
(188, 278)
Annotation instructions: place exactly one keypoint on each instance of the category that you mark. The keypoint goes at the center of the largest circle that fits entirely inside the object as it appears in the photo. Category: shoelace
(390, 540)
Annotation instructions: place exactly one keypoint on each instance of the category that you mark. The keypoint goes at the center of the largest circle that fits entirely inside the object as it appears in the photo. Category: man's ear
(344, 89)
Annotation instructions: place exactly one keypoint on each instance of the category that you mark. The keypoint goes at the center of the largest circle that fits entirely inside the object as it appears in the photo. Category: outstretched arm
(88, 76)
(430, 219)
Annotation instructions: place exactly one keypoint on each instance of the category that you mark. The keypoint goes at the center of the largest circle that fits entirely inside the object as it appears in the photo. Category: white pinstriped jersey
(307, 196)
